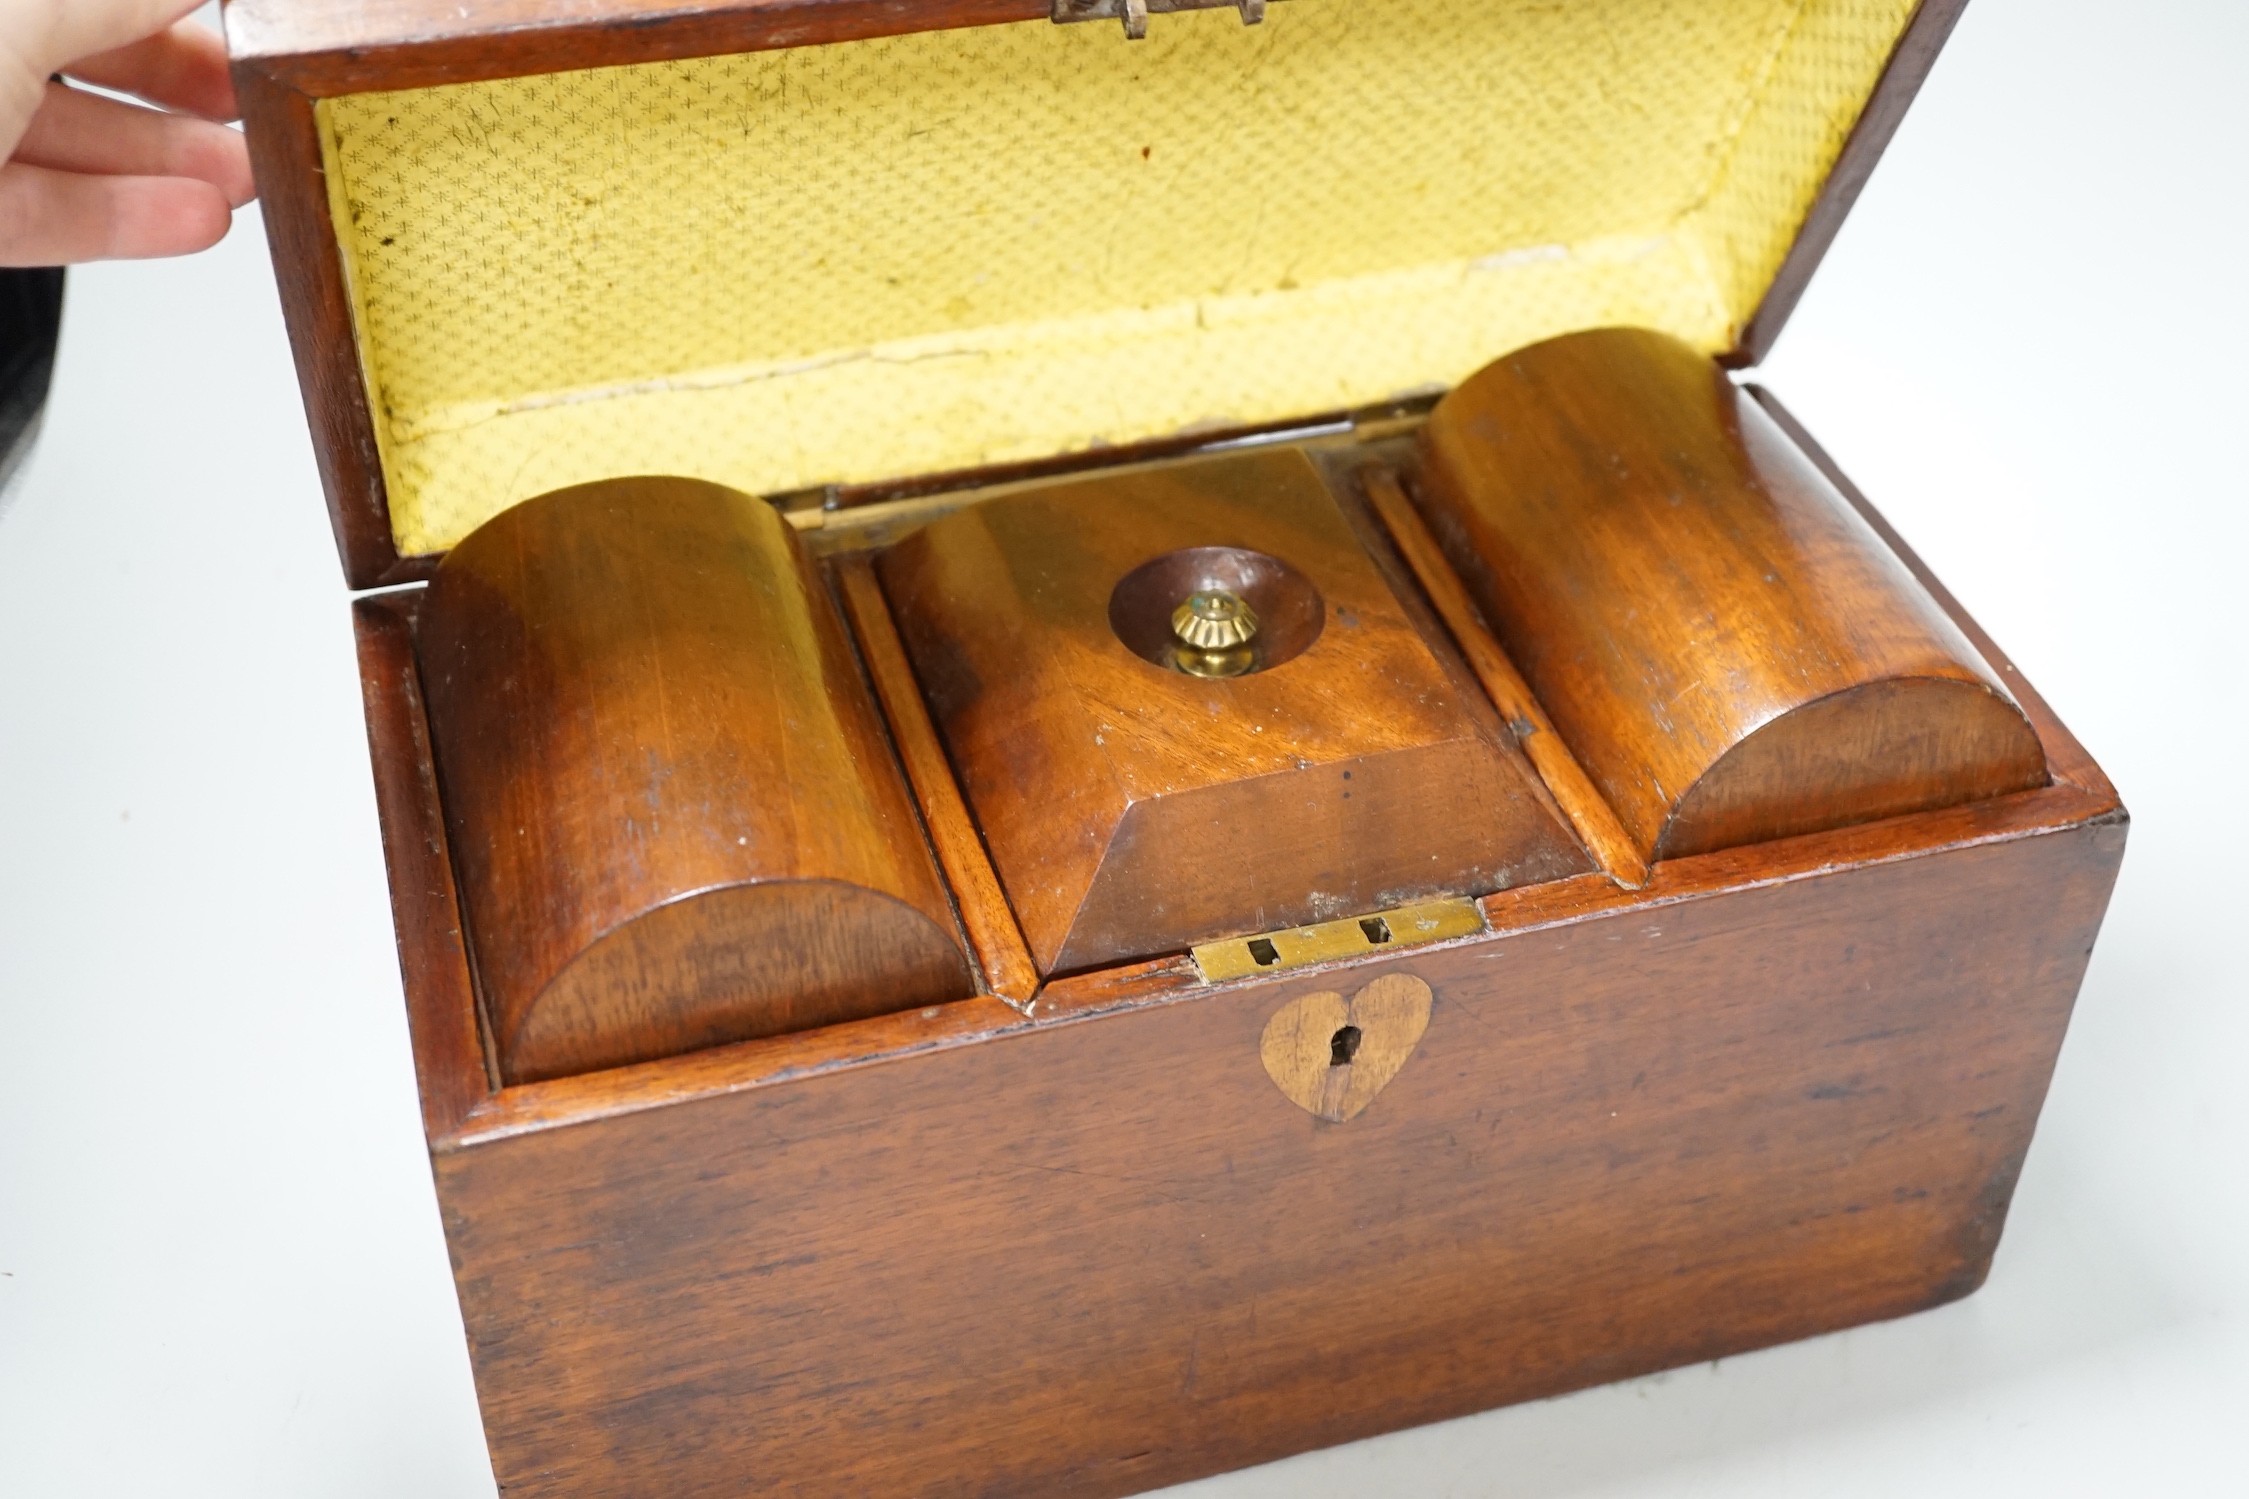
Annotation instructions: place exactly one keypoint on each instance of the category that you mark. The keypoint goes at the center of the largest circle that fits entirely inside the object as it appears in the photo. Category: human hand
(94, 178)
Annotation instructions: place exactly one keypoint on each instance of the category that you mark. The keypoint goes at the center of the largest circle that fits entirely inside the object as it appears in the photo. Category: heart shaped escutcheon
(1332, 1055)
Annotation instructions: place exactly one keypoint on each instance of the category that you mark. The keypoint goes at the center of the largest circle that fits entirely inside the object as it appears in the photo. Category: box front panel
(1097, 1256)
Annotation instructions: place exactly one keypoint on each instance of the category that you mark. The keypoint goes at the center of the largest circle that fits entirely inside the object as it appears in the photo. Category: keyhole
(1343, 1046)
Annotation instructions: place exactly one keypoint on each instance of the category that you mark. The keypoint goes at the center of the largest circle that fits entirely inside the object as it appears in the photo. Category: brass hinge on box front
(1135, 13)
(1333, 941)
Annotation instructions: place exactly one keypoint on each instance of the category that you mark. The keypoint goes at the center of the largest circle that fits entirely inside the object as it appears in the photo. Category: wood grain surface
(1783, 1088)
(990, 924)
(675, 815)
(1593, 818)
(451, 1063)
(1728, 648)
(1094, 1256)
(2067, 761)
(1131, 809)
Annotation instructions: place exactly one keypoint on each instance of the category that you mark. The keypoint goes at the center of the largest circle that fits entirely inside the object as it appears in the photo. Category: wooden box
(1684, 1078)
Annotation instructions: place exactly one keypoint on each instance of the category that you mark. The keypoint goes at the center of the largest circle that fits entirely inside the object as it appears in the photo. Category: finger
(61, 218)
(41, 39)
(183, 67)
(81, 132)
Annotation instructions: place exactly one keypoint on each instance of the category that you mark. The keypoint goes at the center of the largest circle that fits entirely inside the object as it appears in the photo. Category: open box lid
(782, 244)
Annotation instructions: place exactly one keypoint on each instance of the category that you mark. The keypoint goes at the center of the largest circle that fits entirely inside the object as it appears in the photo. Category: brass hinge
(1135, 13)
(1335, 941)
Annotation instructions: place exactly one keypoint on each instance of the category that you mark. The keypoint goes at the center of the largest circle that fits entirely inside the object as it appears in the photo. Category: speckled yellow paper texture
(928, 252)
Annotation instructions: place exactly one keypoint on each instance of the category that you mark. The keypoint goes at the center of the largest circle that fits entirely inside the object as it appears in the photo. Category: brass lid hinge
(1135, 13)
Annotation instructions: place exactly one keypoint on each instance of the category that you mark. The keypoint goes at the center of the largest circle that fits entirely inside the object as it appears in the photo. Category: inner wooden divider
(843, 542)
(989, 921)
(1368, 461)
(465, 1105)
(1593, 819)
(1354, 453)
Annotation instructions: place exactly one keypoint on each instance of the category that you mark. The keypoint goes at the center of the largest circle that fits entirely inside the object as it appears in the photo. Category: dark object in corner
(30, 319)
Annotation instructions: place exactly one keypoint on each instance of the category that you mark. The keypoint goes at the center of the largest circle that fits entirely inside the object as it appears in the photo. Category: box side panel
(433, 956)
(1100, 1256)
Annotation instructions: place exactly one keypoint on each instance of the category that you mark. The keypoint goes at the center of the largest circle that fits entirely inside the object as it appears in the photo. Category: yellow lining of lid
(879, 258)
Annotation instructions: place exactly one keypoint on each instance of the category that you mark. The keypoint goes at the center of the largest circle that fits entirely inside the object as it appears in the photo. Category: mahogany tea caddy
(1739, 1045)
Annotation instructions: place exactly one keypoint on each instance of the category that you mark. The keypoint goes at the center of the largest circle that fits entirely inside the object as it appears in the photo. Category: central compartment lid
(916, 253)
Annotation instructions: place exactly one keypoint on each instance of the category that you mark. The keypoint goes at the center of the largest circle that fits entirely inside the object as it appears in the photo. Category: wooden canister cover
(1133, 807)
(675, 816)
(1731, 650)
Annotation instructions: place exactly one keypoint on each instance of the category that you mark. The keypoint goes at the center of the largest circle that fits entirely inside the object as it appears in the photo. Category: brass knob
(1213, 628)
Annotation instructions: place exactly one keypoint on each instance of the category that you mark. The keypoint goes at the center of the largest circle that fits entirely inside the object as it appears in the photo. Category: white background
(221, 1271)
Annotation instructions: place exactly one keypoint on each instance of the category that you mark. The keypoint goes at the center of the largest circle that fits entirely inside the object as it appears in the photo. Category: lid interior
(936, 251)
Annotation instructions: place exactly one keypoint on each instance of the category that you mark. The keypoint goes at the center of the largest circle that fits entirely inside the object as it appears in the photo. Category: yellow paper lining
(880, 258)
